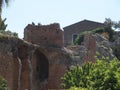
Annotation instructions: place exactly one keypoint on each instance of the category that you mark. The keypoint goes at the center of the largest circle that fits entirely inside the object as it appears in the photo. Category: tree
(3, 26)
(112, 24)
(3, 84)
(102, 75)
(1, 4)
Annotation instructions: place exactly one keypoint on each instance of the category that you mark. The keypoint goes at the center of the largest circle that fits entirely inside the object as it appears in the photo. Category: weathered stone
(116, 47)
(44, 35)
(40, 66)
(103, 47)
(93, 45)
(31, 67)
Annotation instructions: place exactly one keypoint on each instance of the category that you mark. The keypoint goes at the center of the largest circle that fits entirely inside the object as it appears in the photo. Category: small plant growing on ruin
(3, 84)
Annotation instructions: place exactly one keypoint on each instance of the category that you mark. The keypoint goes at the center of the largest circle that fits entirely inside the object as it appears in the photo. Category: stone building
(72, 31)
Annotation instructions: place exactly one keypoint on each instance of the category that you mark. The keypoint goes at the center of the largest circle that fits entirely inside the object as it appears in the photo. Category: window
(74, 36)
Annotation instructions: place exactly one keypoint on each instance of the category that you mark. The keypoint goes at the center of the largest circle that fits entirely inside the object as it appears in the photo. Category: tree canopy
(2, 2)
(102, 75)
(113, 24)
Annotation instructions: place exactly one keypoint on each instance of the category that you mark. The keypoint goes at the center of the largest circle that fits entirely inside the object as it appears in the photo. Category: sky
(20, 13)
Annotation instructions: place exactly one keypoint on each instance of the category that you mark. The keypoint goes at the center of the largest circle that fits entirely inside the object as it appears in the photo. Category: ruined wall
(93, 46)
(31, 67)
(14, 64)
(84, 53)
(8, 70)
(49, 65)
(45, 35)
(90, 45)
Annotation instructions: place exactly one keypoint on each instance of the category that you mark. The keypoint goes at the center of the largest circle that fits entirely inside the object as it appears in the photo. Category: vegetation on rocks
(3, 27)
(108, 30)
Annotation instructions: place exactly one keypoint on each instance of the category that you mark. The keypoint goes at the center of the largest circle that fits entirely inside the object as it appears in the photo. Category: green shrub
(102, 75)
(80, 37)
(3, 27)
(3, 84)
(76, 88)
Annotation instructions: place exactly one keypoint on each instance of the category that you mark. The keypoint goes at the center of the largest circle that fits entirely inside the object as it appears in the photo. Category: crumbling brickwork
(45, 35)
(31, 67)
(90, 45)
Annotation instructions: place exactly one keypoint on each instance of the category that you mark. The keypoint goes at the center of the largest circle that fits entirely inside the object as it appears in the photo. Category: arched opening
(42, 66)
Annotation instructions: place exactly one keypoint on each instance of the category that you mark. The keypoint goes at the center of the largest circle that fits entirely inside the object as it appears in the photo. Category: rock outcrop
(103, 47)
(93, 45)
(116, 47)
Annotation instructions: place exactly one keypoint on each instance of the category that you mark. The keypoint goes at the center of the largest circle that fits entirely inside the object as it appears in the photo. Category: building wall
(45, 35)
(79, 27)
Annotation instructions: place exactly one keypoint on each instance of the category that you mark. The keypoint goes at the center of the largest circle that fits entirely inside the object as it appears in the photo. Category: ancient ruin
(44, 35)
(40, 60)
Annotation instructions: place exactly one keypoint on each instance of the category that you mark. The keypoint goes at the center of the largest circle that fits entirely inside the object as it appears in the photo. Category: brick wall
(45, 35)
(79, 27)
(90, 44)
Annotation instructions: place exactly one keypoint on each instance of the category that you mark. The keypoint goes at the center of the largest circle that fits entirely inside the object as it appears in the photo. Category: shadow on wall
(42, 66)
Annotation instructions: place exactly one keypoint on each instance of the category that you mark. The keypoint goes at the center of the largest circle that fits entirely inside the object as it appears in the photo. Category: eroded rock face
(31, 67)
(116, 47)
(93, 45)
(103, 47)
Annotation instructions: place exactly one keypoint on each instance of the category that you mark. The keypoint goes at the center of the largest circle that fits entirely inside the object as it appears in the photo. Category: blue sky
(66, 12)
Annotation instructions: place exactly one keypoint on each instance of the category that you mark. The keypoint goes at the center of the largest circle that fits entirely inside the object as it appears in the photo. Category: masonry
(44, 35)
(72, 31)
(40, 63)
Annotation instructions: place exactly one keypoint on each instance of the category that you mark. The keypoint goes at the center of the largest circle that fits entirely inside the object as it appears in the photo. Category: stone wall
(15, 62)
(31, 67)
(45, 35)
(77, 28)
(84, 53)
(9, 70)
(90, 45)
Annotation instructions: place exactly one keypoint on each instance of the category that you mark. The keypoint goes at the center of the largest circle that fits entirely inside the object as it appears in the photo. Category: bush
(108, 30)
(102, 75)
(80, 38)
(9, 33)
(3, 84)
(3, 27)
(76, 88)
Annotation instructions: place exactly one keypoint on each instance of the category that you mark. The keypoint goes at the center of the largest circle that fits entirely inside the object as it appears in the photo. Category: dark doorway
(42, 66)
